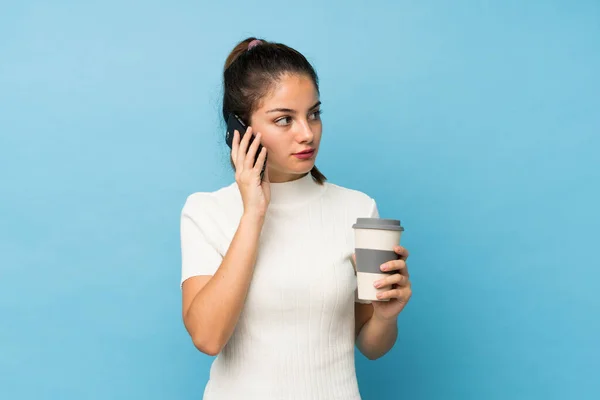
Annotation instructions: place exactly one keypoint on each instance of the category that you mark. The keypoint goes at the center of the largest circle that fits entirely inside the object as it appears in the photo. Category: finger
(401, 294)
(251, 155)
(395, 279)
(235, 145)
(402, 252)
(394, 265)
(266, 175)
(241, 154)
(262, 157)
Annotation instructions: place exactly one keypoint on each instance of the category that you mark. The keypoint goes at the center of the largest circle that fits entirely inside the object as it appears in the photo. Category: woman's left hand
(400, 291)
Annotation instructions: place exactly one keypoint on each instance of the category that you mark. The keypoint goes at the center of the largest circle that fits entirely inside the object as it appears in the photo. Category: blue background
(475, 122)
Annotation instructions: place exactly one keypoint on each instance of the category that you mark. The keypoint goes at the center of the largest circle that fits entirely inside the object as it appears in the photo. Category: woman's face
(289, 121)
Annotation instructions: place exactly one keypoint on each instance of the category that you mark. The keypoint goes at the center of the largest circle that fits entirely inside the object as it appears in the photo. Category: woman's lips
(305, 155)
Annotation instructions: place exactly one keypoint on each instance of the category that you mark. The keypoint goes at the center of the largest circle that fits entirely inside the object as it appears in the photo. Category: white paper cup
(374, 242)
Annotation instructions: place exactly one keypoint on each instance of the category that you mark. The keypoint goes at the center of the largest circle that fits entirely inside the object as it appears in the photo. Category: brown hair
(249, 74)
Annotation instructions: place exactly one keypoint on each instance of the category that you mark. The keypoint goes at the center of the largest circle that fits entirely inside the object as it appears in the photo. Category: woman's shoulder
(207, 202)
(349, 195)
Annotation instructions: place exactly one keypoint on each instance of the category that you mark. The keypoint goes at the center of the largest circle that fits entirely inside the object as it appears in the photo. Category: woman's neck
(282, 177)
(292, 193)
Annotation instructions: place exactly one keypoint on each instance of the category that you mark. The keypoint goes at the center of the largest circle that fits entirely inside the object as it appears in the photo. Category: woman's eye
(283, 121)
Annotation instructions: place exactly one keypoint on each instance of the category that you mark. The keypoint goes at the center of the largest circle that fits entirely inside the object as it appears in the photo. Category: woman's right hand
(256, 193)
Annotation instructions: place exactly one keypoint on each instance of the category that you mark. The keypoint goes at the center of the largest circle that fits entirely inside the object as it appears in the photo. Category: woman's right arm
(212, 304)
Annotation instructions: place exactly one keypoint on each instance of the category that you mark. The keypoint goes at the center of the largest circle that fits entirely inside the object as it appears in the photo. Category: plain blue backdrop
(475, 122)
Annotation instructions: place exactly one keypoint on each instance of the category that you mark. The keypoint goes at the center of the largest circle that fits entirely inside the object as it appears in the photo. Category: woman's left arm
(376, 323)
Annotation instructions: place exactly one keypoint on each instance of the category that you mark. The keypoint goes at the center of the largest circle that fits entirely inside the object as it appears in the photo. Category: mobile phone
(235, 123)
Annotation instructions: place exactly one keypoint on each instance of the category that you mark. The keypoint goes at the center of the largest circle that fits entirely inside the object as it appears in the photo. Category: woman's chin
(304, 169)
(298, 167)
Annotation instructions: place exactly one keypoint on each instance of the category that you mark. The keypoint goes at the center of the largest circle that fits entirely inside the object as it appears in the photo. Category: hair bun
(254, 43)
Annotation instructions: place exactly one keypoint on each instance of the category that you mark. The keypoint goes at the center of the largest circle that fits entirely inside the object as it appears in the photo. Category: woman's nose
(305, 133)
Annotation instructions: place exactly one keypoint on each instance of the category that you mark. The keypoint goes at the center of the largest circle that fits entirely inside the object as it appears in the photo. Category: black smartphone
(235, 123)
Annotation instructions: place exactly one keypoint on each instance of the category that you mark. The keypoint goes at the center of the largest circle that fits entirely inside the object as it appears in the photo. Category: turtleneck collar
(294, 193)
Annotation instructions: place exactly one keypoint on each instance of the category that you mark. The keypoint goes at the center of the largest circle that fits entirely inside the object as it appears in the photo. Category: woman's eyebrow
(290, 111)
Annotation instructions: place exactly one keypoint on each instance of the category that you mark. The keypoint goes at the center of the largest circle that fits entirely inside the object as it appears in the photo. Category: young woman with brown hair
(268, 283)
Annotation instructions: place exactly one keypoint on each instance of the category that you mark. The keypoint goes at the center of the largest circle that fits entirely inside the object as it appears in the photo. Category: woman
(268, 282)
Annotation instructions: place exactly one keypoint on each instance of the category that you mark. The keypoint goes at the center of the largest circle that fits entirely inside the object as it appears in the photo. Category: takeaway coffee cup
(374, 241)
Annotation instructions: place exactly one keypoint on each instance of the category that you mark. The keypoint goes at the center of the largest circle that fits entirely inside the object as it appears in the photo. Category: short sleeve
(373, 213)
(199, 256)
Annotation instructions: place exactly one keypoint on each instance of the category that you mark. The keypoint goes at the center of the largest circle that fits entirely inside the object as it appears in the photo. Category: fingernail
(379, 295)
(384, 267)
(377, 284)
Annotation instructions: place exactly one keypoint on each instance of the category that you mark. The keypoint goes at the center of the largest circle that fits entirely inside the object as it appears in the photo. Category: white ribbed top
(295, 337)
